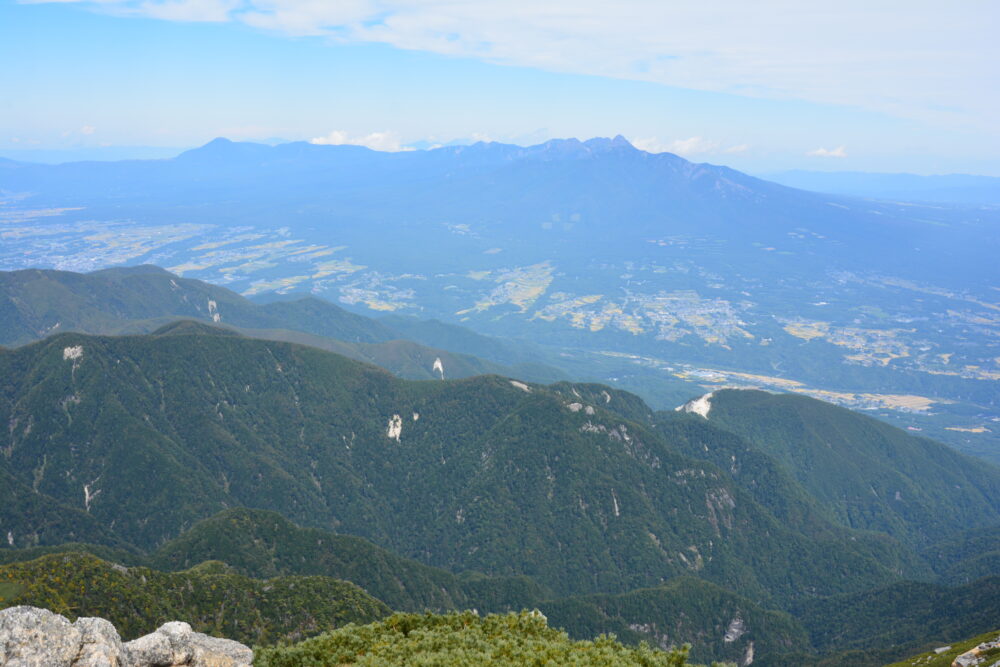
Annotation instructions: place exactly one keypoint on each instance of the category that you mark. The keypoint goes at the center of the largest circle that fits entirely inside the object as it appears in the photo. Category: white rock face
(395, 428)
(575, 407)
(213, 310)
(521, 386)
(699, 406)
(737, 628)
(88, 495)
(438, 366)
(73, 353)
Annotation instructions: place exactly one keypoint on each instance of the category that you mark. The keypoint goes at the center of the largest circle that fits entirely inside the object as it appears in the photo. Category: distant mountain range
(601, 190)
(944, 189)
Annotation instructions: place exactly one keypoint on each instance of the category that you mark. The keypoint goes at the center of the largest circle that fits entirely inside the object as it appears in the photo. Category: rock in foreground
(33, 637)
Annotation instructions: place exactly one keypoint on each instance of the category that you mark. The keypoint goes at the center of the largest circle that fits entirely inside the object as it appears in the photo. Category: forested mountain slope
(36, 303)
(263, 545)
(944, 656)
(868, 474)
(210, 597)
(876, 626)
(485, 473)
(133, 300)
(905, 616)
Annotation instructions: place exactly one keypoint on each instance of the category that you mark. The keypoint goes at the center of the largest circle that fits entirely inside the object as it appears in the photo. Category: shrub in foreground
(462, 639)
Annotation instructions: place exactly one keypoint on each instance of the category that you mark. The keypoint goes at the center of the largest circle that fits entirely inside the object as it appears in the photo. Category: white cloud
(687, 147)
(838, 152)
(88, 129)
(922, 59)
(378, 141)
(692, 146)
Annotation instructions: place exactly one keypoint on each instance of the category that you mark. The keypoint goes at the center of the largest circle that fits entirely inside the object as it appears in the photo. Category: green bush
(460, 639)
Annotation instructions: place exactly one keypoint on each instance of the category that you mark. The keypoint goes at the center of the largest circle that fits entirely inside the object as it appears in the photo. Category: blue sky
(890, 86)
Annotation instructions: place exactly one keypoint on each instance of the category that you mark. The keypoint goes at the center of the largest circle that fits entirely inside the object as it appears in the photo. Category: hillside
(684, 610)
(902, 618)
(944, 656)
(143, 299)
(876, 626)
(209, 597)
(36, 303)
(264, 544)
(762, 475)
(964, 559)
(39, 519)
(482, 474)
(716, 623)
(574, 498)
(869, 475)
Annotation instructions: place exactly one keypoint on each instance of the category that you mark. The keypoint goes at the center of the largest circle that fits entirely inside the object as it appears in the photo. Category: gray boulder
(175, 644)
(100, 645)
(32, 637)
(152, 649)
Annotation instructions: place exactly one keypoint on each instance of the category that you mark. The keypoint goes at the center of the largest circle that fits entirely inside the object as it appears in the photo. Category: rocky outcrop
(986, 654)
(100, 645)
(33, 637)
(175, 644)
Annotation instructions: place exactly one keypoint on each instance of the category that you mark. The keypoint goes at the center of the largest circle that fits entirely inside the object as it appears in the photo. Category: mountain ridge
(162, 394)
(141, 299)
